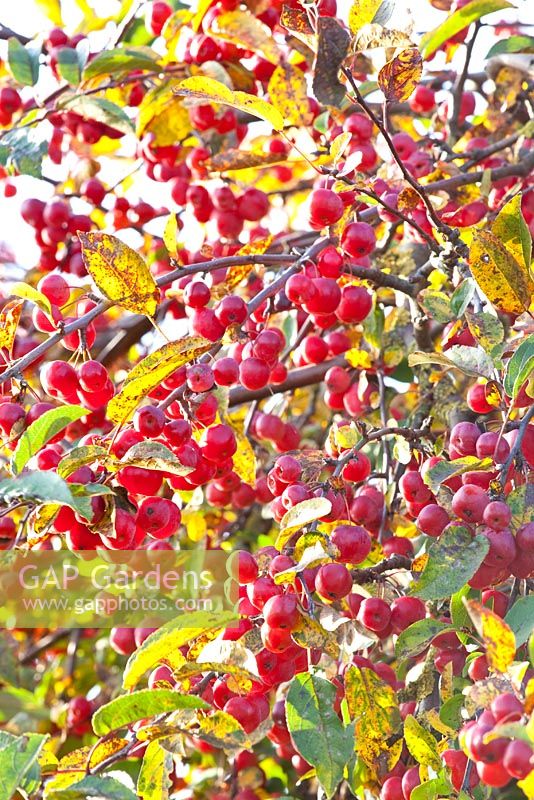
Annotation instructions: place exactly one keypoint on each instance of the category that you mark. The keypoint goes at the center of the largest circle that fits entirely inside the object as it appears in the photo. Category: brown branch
(297, 378)
(373, 573)
(43, 644)
(523, 425)
(7, 33)
(421, 190)
(458, 90)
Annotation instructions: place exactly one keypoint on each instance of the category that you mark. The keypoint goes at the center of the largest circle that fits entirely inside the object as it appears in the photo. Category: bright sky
(25, 16)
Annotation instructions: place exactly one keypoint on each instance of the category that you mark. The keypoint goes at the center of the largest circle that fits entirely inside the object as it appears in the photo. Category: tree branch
(7, 33)
(460, 83)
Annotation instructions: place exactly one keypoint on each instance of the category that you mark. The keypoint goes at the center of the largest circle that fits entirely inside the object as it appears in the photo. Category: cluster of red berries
(498, 758)
(55, 228)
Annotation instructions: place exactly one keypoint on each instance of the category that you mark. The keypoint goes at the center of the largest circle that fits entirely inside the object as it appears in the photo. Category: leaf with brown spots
(210, 90)
(119, 272)
(163, 115)
(332, 49)
(400, 76)
(297, 22)
(151, 372)
(242, 159)
(362, 12)
(288, 92)
(373, 705)
(512, 230)
(497, 636)
(9, 320)
(506, 283)
(373, 35)
(238, 273)
(246, 31)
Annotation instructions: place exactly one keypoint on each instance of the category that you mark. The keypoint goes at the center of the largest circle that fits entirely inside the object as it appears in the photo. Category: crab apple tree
(267, 302)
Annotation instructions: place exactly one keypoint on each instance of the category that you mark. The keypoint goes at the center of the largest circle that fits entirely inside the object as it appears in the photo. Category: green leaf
(100, 110)
(433, 788)
(18, 762)
(520, 618)
(459, 615)
(453, 560)
(102, 787)
(171, 636)
(121, 61)
(450, 712)
(417, 637)
(457, 21)
(153, 782)
(441, 472)
(23, 151)
(41, 431)
(43, 488)
(131, 707)
(317, 732)
(512, 44)
(520, 367)
(23, 62)
(462, 296)
(69, 65)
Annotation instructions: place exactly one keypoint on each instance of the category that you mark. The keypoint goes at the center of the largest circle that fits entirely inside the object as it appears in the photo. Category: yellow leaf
(419, 563)
(244, 460)
(296, 21)
(399, 77)
(27, 292)
(362, 12)
(288, 92)
(337, 148)
(201, 8)
(513, 232)
(506, 283)
(208, 89)
(163, 644)
(359, 359)
(346, 436)
(497, 636)
(151, 371)
(527, 785)
(238, 273)
(52, 11)
(223, 731)
(236, 159)
(421, 744)
(246, 31)
(311, 635)
(170, 234)
(299, 516)
(9, 320)
(163, 115)
(195, 524)
(119, 272)
(372, 703)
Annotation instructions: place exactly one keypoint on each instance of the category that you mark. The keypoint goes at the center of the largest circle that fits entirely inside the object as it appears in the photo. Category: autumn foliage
(281, 315)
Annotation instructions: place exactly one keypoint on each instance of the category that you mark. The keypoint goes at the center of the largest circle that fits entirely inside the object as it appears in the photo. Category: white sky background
(24, 16)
